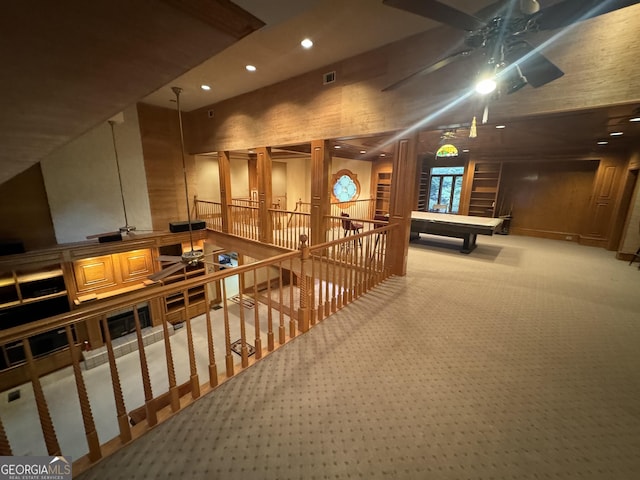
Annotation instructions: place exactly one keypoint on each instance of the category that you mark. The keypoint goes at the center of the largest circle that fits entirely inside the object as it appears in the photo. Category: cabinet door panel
(94, 273)
(135, 265)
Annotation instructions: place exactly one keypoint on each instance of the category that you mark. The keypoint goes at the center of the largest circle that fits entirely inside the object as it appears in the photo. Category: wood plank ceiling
(68, 66)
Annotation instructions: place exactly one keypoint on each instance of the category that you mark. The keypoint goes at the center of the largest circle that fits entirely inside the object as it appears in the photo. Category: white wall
(208, 178)
(279, 183)
(82, 185)
(239, 177)
(298, 180)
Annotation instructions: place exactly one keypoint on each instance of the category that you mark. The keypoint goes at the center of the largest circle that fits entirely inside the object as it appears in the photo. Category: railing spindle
(5, 446)
(152, 417)
(48, 430)
(270, 336)
(174, 394)
(281, 330)
(193, 368)
(227, 333)
(121, 411)
(213, 368)
(85, 407)
(292, 321)
(256, 317)
(244, 351)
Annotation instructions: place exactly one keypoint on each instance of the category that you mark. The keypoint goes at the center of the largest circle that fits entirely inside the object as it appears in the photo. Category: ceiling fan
(175, 263)
(497, 32)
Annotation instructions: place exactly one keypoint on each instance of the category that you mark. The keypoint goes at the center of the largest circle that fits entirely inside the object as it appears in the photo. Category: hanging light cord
(115, 149)
(177, 91)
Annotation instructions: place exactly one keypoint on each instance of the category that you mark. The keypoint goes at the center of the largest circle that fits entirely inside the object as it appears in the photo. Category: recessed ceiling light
(465, 150)
(337, 146)
(602, 142)
(616, 134)
(501, 126)
(250, 68)
(306, 43)
(205, 87)
(635, 119)
(383, 154)
(363, 151)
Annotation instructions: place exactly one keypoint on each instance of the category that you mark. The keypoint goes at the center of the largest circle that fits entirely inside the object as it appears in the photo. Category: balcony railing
(280, 298)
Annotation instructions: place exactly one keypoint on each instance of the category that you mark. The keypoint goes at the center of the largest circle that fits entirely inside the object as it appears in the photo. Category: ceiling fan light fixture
(486, 86)
(529, 7)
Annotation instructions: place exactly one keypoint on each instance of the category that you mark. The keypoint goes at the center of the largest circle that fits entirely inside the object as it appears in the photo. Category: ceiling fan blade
(537, 68)
(105, 234)
(439, 12)
(571, 11)
(164, 273)
(501, 8)
(430, 69)
(170, 258)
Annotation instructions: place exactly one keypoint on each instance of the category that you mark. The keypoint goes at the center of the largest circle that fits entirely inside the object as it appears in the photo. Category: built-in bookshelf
(484, 189)
(383, 193)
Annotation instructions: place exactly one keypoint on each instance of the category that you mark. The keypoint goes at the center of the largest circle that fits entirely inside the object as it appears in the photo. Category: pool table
(459, 226)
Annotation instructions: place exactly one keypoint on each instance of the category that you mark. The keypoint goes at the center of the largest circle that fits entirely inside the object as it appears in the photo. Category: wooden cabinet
(383, 193)
(94, 273)
(28, 295)
(40, 288)
(484, 189)
(108, 275)
(174, 305)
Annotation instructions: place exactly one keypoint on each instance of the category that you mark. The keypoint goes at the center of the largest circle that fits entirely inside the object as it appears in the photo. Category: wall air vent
(329, 77)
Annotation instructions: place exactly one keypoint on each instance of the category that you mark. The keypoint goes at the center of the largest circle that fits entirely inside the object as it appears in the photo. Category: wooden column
(403, 185)
(263, 156)
(224, 171)
(320, 198)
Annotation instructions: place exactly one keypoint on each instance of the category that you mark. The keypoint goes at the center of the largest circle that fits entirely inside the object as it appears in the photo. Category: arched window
(345, 186)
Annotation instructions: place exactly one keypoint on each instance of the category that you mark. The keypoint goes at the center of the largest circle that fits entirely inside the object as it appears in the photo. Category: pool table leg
(468, 242)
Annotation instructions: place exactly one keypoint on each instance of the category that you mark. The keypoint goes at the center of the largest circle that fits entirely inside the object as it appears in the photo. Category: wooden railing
(281, 298)
(245, 221)
(288, 226)
(355, 208)
(245, 202)
(210, 212)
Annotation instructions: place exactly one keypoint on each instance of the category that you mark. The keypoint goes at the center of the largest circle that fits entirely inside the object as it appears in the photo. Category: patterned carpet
(518, 361)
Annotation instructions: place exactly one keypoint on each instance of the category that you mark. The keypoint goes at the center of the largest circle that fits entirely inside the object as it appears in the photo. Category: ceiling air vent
(329, 77)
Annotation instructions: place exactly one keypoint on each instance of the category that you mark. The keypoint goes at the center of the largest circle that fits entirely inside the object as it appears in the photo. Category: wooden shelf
(484, 189)
(24, 277)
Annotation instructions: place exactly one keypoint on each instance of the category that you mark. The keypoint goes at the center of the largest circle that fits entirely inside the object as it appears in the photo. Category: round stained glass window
(345, 189)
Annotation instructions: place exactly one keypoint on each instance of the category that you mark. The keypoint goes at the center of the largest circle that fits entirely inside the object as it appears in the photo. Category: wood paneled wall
(598, 56)
(24, 210)
(160, 135)
(547, 198)
(565, 199)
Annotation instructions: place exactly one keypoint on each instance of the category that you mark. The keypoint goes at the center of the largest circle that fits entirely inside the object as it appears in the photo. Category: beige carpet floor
(518, 361)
